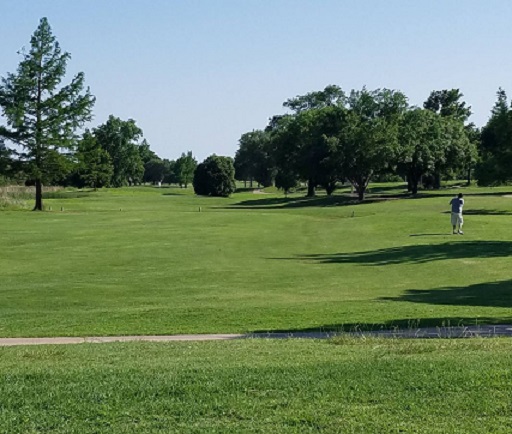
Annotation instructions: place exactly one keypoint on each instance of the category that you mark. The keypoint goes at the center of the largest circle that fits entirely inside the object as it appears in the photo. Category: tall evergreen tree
(496, 145)
(42, 116)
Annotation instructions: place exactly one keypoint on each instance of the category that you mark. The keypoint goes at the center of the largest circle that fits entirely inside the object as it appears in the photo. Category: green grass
(354, 386)
(146, 261)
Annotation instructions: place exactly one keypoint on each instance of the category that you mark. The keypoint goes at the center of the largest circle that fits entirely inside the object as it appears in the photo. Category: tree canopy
(215, 176)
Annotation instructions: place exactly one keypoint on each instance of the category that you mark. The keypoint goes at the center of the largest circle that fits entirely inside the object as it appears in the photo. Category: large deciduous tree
(155, 171)
(253, 160)
(184, 169)
(303, 143)
(448, 102)
(423, 145)
(121, 140)
(332, 95)
(369, 139)
(94, 163)
(42, 116)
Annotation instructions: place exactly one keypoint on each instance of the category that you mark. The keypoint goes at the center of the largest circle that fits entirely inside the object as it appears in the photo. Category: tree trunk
(409, 184)
(330, 187)
(414, 187)
(413, 181)
(311, 187)
(469, 176)
(39, 196)
(360, 191)
(437, 181)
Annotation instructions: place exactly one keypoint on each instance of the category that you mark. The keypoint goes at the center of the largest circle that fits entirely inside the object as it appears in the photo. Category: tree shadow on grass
(397, 324)
(486, 212)
(416, 254)
(375, 194)
(489, 294)
(302, 202)
(424, 194)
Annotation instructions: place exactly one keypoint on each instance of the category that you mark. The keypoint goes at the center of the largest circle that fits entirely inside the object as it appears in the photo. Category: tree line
(325, 138)
(330, 137)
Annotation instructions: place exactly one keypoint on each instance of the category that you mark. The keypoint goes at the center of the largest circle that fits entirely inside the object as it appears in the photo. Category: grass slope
(372, 386)
(146, 261)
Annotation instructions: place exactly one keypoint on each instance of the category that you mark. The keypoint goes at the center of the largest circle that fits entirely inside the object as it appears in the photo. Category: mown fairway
(259, 386)
(146, 261)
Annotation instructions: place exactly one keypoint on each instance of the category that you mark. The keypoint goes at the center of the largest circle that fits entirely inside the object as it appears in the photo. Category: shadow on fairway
(452, 192)
(494, 294)
(431, 235)
(397, 324)
(415, 254)
(378, 194)
(489, 294)
(486, 212)
(303, 202)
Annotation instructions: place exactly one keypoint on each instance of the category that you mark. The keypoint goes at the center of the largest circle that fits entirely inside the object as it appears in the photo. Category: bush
(215, 176)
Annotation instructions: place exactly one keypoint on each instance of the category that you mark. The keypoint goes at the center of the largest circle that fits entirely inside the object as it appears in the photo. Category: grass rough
(259, 386)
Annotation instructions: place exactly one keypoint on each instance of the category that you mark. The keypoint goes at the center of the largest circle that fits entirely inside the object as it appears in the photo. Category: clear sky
(196, 74)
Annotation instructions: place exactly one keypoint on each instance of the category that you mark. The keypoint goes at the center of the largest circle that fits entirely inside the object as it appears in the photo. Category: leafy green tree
(155, 171)
(95, 167)
(474, 136)
(303, 144)
(146, 154)
(120, 139)
(184, 169)
(422, 144)
(253, 160)
(448, 102)
(330, 96)
(215, 176)
(369, 139)
(170, 172)
(286, 179)
(42, 116)
(459, 149)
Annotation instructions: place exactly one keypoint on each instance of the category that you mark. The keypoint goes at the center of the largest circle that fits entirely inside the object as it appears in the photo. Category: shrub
(215, 176)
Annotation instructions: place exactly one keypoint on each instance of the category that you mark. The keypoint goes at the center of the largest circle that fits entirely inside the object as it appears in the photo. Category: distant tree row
(331, 137)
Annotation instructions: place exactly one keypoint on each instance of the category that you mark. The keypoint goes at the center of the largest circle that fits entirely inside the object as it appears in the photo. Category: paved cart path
(484, 331)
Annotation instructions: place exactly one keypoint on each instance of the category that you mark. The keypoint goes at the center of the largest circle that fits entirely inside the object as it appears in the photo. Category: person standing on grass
(457, 221)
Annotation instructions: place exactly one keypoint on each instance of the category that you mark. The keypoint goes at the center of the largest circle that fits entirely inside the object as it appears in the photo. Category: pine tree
(42, 116)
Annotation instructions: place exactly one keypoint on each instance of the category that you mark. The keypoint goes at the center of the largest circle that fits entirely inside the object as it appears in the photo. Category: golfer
(457, 221)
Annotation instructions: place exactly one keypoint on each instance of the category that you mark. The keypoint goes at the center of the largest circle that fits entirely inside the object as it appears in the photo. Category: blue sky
(196, 74)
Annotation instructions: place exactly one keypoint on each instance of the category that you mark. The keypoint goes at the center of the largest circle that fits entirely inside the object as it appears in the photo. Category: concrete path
(484, 331)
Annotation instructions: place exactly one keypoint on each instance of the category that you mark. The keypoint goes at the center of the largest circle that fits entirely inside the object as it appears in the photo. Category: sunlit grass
(161, 260)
